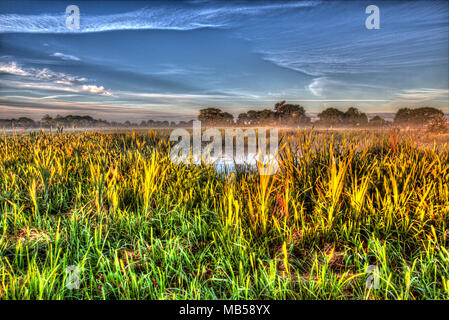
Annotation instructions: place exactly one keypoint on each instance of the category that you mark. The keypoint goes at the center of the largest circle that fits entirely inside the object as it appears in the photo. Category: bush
(438, 124)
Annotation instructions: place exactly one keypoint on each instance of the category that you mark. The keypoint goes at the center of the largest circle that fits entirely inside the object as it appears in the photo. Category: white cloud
(95, 90)
(57, 77)
(423, 94)
(344, 90)
(65, 56)
(46, 79)
(317, 86)
(13, 68)
(58, 86)
(39, 74)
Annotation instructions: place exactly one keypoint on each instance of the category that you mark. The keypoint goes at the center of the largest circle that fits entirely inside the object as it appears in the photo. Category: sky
(141, 60)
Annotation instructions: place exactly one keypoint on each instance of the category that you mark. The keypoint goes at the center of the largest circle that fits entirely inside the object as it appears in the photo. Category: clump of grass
(140, 227)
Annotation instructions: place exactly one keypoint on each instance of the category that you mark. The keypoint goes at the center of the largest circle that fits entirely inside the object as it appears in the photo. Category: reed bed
(141, 227)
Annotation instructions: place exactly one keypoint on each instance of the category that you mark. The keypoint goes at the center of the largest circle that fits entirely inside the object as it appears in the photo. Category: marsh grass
(140, 227)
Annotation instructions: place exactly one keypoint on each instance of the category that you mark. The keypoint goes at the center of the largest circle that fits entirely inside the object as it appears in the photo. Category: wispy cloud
(157, 18)
(65, 56)
(329, 41)
(13, 68)
(313, 64)
(42, 74)
(423, 94)
(57, 86)
(46, 79)
(350, 90)
(317, 86)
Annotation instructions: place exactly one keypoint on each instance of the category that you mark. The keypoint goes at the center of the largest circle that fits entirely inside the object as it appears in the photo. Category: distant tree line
(72, 121)
(283, 114)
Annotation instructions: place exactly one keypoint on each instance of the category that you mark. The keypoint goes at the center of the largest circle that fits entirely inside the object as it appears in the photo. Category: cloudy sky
(166, 60)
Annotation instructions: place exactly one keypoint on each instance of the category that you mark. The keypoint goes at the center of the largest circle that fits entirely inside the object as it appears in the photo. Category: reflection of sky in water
(228, 163)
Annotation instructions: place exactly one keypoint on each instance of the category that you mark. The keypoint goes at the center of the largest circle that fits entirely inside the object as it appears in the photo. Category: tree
(266, 117)
(278, 106)
(227, 119)
(438, 124)
(253, 117)
(290, 113)
(214, 116)
(377, 121)
(243, 119)
(209, 115)
(47, 120)
(331, 116)
(417, 116)
(25, 122)
(354, 117)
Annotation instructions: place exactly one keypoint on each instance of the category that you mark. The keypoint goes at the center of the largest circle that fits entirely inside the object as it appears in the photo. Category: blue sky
(166, 60)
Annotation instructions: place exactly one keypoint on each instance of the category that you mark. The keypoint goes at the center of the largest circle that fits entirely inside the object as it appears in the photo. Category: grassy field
(140, 227)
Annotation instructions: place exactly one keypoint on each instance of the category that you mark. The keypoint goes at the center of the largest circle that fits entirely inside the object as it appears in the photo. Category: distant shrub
(438, 124)
(417, 116)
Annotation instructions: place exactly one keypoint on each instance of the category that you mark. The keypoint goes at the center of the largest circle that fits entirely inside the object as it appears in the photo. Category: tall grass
(140, 227)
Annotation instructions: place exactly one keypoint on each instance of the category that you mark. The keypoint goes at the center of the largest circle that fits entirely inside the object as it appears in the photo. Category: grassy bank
(140, 227)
